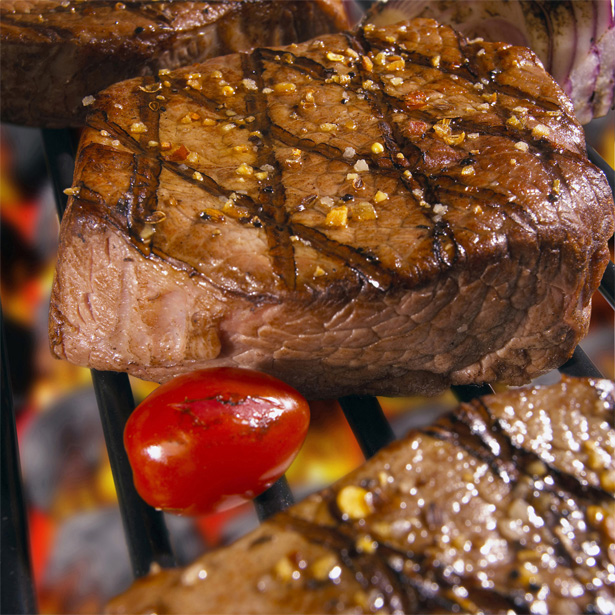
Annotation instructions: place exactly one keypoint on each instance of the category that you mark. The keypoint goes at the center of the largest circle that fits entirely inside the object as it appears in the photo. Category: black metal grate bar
(59, 147)
(607, 284)
(603, 165)
(18, 595)
(277, 498)
(147, 536)
(149, 540)
(368, 422)
(468, 392)
(580, 366)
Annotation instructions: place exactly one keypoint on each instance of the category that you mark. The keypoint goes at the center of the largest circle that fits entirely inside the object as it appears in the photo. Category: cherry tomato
(214, 438)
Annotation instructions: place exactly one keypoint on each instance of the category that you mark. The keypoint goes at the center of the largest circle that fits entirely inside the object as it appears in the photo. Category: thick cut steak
(506, 506)
(56, 53)
(387, 212)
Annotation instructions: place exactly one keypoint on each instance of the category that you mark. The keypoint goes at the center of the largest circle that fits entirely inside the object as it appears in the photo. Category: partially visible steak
(506, 506)
(387, 212)
(55, 54)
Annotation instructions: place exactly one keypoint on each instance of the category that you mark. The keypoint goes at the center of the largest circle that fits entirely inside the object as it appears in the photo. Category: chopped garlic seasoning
(319, 271)
(249, 84)
(334, 57)
(354, 502)
(540, 130)
(380, 196)
(138, 128)
(328, 127)
(285, 87)
(361, 165)
(338, 216)
(244, 169)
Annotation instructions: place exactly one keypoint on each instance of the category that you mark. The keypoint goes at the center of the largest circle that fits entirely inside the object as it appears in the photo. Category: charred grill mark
(177, 86)
(424, 574)
(271, 201)
(461, 436)
(96, 203)
(360, 263)
(151, 12)
(148, 11)
(324, 149)
(445, 247)
(99, 121)
(488, 72)
(475, 430)
(399, 149)
(305, 66)
(51, 33)
(371, 571)
(565, 483)
(143, 195)
(472, 432)
(471, 70)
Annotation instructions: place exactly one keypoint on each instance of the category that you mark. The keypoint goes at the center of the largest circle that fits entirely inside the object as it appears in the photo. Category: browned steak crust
(506, 506)
(384, 212)
(55, 54)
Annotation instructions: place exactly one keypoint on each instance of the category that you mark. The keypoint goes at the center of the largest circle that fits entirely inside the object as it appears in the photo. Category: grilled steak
(55, 54)
(384, 212)
(506, 506)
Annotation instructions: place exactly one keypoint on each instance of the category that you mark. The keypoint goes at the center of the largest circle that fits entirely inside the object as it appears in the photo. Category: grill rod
(603, 165)
(607, 283)
(18, 595)
(148, 535)
(149, 540)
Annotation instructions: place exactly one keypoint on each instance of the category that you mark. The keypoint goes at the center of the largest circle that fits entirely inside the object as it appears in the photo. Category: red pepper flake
(415, 128)
(178, 154)
(415, 100)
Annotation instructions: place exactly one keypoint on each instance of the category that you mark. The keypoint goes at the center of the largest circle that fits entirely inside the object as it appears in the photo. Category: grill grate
(146, 533)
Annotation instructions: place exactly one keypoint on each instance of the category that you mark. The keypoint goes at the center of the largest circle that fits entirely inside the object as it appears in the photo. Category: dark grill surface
(146, 533)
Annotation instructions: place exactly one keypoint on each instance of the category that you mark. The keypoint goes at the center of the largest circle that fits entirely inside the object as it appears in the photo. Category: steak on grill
(56, 53)
(505, 506)
(387, 212)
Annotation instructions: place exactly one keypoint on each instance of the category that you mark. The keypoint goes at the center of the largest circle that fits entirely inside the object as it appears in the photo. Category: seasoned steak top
(383, 157)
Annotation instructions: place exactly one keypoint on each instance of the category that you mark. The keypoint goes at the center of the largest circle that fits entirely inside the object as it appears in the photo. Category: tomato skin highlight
(214, 438)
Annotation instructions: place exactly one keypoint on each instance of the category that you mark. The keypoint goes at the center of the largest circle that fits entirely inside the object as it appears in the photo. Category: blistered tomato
(211, 439)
